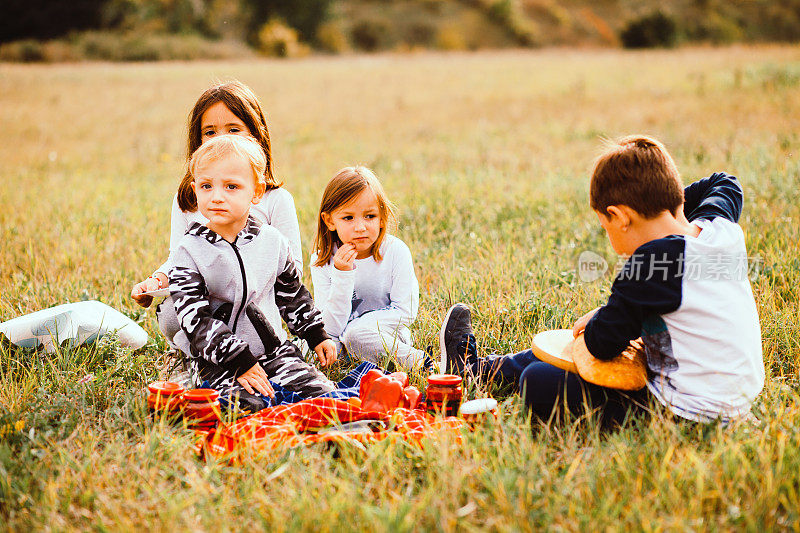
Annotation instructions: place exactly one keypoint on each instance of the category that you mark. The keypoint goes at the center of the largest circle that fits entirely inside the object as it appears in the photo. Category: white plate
(555, 347)
(158, 293)
(481, 405)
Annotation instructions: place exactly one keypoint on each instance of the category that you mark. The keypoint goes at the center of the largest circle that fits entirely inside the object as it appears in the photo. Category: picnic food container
(475, 411)
(165, 396)
(201, 409)
(443, 394)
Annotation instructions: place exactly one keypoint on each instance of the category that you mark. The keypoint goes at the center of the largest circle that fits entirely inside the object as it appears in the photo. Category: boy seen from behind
(684, 290)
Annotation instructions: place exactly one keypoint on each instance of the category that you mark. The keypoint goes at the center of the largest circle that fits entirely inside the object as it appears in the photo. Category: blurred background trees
(184, 29)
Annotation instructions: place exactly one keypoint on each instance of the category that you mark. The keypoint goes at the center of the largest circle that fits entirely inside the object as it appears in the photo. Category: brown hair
(636, 171)
(226, 145)
(343, 188)
(242, 102)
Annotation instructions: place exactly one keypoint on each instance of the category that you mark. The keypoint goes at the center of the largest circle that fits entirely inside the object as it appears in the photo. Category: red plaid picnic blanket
(287, 426)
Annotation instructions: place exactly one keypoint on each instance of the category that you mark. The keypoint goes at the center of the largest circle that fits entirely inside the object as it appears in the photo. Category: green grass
(488, 156)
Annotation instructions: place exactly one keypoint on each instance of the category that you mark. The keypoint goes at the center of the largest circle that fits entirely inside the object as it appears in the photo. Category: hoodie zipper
(244, 285)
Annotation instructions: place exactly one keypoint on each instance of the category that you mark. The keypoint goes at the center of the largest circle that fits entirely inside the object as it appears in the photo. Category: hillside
(193, 29)
(473, 24)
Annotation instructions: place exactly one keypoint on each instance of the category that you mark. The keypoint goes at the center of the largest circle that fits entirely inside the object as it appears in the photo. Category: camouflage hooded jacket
(230, 297)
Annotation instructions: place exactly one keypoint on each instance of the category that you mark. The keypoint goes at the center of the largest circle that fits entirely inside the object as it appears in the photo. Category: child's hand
(256, 379)
(580, 324)
(326, 352)
(344, 257)
(150, 284)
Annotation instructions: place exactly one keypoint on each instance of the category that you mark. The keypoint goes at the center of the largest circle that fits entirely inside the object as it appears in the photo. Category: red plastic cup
(202, 409)
(165, 395)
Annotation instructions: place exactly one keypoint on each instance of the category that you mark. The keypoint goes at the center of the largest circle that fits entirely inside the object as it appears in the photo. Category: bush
(420, 33)
(27, 51)
(279, 40)
(718, 30)
(450, 37)
(331, 38)
(650, 31)
(369, 34)
(304, 15)
(116, 46)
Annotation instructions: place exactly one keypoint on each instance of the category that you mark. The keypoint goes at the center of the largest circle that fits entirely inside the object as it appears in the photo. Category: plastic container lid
(444, 379)
(475, 407)
(165, 388)
(201, 395)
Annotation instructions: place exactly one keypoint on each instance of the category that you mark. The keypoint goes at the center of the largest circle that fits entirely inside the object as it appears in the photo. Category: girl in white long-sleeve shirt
(364, 281)
(227, 108)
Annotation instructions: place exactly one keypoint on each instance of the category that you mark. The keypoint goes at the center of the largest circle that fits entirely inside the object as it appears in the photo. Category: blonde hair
(226, 145)
(242, 102)
(348, 183)
(636, 171)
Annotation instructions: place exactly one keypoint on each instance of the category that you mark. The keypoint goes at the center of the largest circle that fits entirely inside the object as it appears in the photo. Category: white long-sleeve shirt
(276, 208)
(389, 286)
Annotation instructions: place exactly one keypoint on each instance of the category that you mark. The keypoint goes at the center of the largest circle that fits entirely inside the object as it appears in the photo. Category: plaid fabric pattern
(346, 388)
(287, 426)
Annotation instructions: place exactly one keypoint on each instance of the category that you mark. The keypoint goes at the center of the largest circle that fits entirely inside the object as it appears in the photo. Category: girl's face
(357, 222)
(219, 120)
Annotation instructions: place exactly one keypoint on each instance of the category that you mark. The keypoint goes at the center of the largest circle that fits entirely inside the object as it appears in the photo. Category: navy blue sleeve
(718, 195)
(649, 284)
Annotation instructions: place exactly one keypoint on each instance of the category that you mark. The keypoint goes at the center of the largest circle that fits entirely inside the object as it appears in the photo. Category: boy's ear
(619, 215)
(328, 220)
(261, 188)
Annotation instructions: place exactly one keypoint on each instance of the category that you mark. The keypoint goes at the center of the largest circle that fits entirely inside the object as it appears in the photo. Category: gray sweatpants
(377, 333)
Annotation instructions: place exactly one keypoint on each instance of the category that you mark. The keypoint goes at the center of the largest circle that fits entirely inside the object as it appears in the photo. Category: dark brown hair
(242, 102)
(342, 189)
(636, 171)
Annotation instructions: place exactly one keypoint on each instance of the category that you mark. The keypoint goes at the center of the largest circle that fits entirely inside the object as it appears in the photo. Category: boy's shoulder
(659, 260)
(197, 237)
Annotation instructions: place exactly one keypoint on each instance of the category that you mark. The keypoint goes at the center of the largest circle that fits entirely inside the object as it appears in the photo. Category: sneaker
(456, 341)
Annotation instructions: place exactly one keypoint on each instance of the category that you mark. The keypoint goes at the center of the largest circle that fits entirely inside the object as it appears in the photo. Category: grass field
(488, 157)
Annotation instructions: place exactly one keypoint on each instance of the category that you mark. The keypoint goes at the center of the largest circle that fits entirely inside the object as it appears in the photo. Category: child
(684, 290)
(364, 281)
(228, 108)
(234, 278)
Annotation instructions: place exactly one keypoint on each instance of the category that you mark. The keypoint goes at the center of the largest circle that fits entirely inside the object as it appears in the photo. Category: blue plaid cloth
(347, 388)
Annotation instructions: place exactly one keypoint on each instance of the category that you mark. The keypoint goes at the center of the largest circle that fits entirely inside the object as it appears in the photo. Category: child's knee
(167, 319)
(358, 338)
(539, 385)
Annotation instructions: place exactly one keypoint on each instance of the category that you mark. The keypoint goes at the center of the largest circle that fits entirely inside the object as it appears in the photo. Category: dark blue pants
(546, 388)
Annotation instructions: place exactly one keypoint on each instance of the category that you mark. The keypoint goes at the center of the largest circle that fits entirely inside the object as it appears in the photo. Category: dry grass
(488, 157)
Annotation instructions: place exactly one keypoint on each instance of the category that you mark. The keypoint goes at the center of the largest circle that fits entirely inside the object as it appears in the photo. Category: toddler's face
(219, 120)
(358, 222)
(225, 189)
